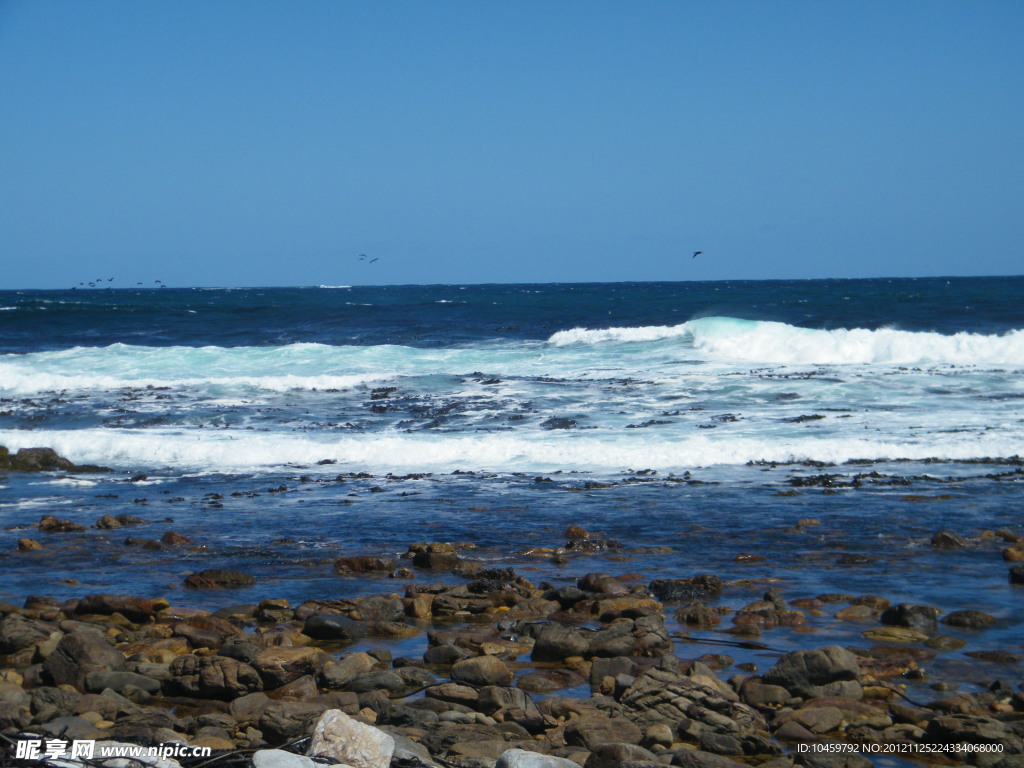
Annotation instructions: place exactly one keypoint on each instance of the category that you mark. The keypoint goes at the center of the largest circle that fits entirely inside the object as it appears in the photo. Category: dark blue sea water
(693, 422)
(440, 315)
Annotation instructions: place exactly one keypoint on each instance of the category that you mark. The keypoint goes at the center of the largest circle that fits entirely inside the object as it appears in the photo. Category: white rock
(520, 758)
(348, 741)
(279, 758)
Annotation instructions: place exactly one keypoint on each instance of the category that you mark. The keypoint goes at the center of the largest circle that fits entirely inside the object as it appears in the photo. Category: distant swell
(726, 338)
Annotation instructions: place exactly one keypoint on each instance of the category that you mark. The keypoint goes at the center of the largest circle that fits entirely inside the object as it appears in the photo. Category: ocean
(695, 424)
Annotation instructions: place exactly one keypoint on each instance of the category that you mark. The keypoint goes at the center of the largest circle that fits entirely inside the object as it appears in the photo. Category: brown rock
(51, 524)
(247, 709)
(300, 689)
(969, 619)
(172, 539)
(28, 545)
(364, 564)
(482, 670)
(132, 608)
(590, 732)
(626, 606)
(1014, 553)
(212, 677)
(205, 630)
(436, 560)
(453, 693)
(602, 583)
(338, 674)
(698, 615)
(277, 666)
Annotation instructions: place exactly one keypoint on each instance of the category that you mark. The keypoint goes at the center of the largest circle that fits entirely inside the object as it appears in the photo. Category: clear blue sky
(257, 143)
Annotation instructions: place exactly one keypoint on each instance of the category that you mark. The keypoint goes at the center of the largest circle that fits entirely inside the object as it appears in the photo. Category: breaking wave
(759, 341)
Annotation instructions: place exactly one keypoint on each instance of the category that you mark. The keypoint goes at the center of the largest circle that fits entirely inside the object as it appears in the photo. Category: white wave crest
(725, 338)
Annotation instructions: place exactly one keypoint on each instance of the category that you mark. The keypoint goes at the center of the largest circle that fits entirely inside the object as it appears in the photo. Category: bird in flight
(374, 259)
(696, 254)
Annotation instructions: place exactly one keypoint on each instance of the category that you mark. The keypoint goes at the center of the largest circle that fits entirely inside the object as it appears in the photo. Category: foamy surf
(221, 451)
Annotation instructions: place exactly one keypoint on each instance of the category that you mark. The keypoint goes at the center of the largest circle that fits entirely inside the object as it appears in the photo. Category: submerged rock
(218, 577)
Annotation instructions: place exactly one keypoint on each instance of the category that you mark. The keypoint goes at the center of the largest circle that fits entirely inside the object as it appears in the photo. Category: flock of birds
(98, 282)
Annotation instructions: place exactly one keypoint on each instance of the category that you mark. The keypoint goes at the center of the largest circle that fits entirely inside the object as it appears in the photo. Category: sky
(244, 143)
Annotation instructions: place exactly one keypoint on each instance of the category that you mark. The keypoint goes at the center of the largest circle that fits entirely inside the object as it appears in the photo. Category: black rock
(327, 626)
(911, 615)
(680, 590)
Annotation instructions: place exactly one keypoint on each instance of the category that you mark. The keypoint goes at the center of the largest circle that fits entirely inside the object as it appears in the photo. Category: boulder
(380, 608)
(79, 653)
(364, 564)
(556, 642)
(590, 732)
(17, 632)
(620, 755)
(328, 626)
(685, 590)
(338, 674)
(278, 758)
(969, 619)
(482, 670)
(279, 665)
(912, 616)
(212, 677)
(602, 583)
(696, 614)
(41, 460)
(344, 740)
(50, 524)
(828, 671)
(283, 721)
(949, 540)
(698, 758)
(694, 705)
(97, 682)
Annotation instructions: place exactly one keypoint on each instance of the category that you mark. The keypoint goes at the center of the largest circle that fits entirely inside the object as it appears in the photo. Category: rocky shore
(512, 674)
(457, 663)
